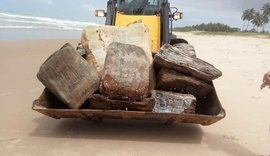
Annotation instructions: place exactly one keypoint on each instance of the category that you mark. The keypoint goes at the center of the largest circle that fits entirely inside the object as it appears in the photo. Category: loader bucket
(209, 111)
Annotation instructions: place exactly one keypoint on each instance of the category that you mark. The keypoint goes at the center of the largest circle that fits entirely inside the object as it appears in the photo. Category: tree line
(259, 19)
(210, 27)
(251, 17)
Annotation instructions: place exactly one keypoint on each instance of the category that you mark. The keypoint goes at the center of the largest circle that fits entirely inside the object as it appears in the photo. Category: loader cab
(139, 7)
(156, 14)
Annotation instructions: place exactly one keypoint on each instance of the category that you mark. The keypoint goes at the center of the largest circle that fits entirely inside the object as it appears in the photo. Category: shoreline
(37, 34)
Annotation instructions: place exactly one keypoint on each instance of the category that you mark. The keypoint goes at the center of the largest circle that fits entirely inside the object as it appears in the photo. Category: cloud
(48, 2)
(223, 11)
(220, 5)
(89, 6)
(195, 11)
(241, 5)
(195, 20)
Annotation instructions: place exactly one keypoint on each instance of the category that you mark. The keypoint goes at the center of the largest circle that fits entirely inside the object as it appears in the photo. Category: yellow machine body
(152, 21)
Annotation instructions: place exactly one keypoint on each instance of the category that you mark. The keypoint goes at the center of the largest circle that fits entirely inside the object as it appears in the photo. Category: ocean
(14, 26)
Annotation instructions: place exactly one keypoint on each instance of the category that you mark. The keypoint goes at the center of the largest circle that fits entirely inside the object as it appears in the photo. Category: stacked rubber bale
(122, 56)
(118, 73)
(69, 77)
(115, 75)
(182, 80)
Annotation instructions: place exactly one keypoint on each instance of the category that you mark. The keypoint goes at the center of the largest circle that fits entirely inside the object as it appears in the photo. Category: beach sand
(244, 131)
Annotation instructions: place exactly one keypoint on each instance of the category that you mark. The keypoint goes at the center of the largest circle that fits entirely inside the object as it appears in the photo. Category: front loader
(159, 17)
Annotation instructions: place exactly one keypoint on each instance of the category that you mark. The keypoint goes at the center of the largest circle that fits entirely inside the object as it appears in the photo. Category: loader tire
(187, 48)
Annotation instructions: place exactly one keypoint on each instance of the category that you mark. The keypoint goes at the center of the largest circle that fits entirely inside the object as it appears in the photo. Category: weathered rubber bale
(98, 101)
(126, 73)
(171, 102)
(173, 58)
(171, 80)
(69, 77)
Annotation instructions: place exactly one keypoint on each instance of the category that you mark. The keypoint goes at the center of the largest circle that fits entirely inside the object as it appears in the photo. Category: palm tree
(266, 9)
(250, 16)
(257, 21)
(265, 14)
(244, 18)
(265, 21)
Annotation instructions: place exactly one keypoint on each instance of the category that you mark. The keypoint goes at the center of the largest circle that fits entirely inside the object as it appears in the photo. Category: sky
(195, 11)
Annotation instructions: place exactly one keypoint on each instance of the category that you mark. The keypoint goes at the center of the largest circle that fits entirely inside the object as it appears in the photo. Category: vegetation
(211, 27)
(247, 15)
(259, 19)
(240, 34)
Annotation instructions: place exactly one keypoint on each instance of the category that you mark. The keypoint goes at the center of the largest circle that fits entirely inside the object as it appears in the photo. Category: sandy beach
(245, 130)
